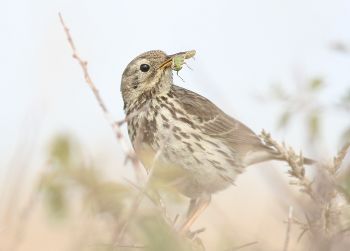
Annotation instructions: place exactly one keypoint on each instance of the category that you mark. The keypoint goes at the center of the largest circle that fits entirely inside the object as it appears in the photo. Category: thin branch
(337, 161)
(137, 201)
(327, 211)
(23, 219)
(83, 65)
(295, 162)
(303, 231)
(131, 246)
(289, 226)
(115, 126)
(244, 246)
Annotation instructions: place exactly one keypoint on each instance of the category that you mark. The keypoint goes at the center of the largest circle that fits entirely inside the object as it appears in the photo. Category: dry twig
(289, 226)
(130, 155)
(327, 210)
(295, 162)
(338, 160)
(136, 203)
(116, 128)
(243, 246)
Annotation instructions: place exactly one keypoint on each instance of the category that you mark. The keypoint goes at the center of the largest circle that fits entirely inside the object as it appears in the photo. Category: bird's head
(147, 75)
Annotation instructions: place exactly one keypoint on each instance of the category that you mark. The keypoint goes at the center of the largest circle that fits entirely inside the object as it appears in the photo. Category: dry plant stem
(193, 235)
(324, 192)
(160, 204)
(136, 203)
(120, 231)
(106, 246)
(25, 215)
(131, 246)
(23, 221)
(243, 246)
(289, 226)
(115, 126)
(294, 161)
(200, 206)
(340, 157)
(334, 168)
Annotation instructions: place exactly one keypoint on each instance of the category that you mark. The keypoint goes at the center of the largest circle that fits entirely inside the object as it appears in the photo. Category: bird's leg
(191, 207)
(197, 207)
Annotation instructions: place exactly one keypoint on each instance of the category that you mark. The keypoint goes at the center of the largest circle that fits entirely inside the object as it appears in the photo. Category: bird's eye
(144, 67)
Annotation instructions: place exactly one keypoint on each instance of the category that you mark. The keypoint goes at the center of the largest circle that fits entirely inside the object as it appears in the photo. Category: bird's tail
(277, 156)
(308, 161)
(268, 154)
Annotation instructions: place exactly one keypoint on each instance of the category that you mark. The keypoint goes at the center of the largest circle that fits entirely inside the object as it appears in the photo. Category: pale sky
(242, 48)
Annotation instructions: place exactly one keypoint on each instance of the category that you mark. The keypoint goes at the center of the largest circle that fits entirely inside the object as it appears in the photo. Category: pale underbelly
(191, 168)
(182, 155)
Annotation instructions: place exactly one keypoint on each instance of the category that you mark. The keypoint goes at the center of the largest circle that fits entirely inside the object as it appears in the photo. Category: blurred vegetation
(72, 184)
(68, 172)
(116, 215)
(305, 103)
(329, 184)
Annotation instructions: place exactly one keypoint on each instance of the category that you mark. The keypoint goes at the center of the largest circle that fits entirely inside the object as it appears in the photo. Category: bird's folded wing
(215, 123)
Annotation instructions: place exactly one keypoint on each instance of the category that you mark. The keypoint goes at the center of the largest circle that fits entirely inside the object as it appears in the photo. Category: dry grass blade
(83, 65)
(243, 246)
(294, 161)
(23, 221)
(289, 226)
(327, 210)
(131, 246)
(302, 234)
(136, 203)
(340, 157)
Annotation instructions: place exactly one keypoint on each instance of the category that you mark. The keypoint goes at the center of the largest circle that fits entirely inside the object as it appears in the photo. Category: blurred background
(282, 66)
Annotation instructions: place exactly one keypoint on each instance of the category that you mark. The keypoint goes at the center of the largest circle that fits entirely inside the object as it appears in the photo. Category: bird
(189, 141)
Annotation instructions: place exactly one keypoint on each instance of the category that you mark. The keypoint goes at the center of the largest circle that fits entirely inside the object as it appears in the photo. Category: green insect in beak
(179, 60)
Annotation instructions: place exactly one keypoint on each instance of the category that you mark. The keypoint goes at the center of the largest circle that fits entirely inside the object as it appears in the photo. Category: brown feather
(217, 124)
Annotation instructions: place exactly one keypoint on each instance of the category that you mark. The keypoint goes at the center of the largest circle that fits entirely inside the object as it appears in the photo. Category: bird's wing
(217, 124)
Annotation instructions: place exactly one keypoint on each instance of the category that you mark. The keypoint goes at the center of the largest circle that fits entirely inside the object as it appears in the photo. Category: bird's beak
(169, 59)
(167, 62)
